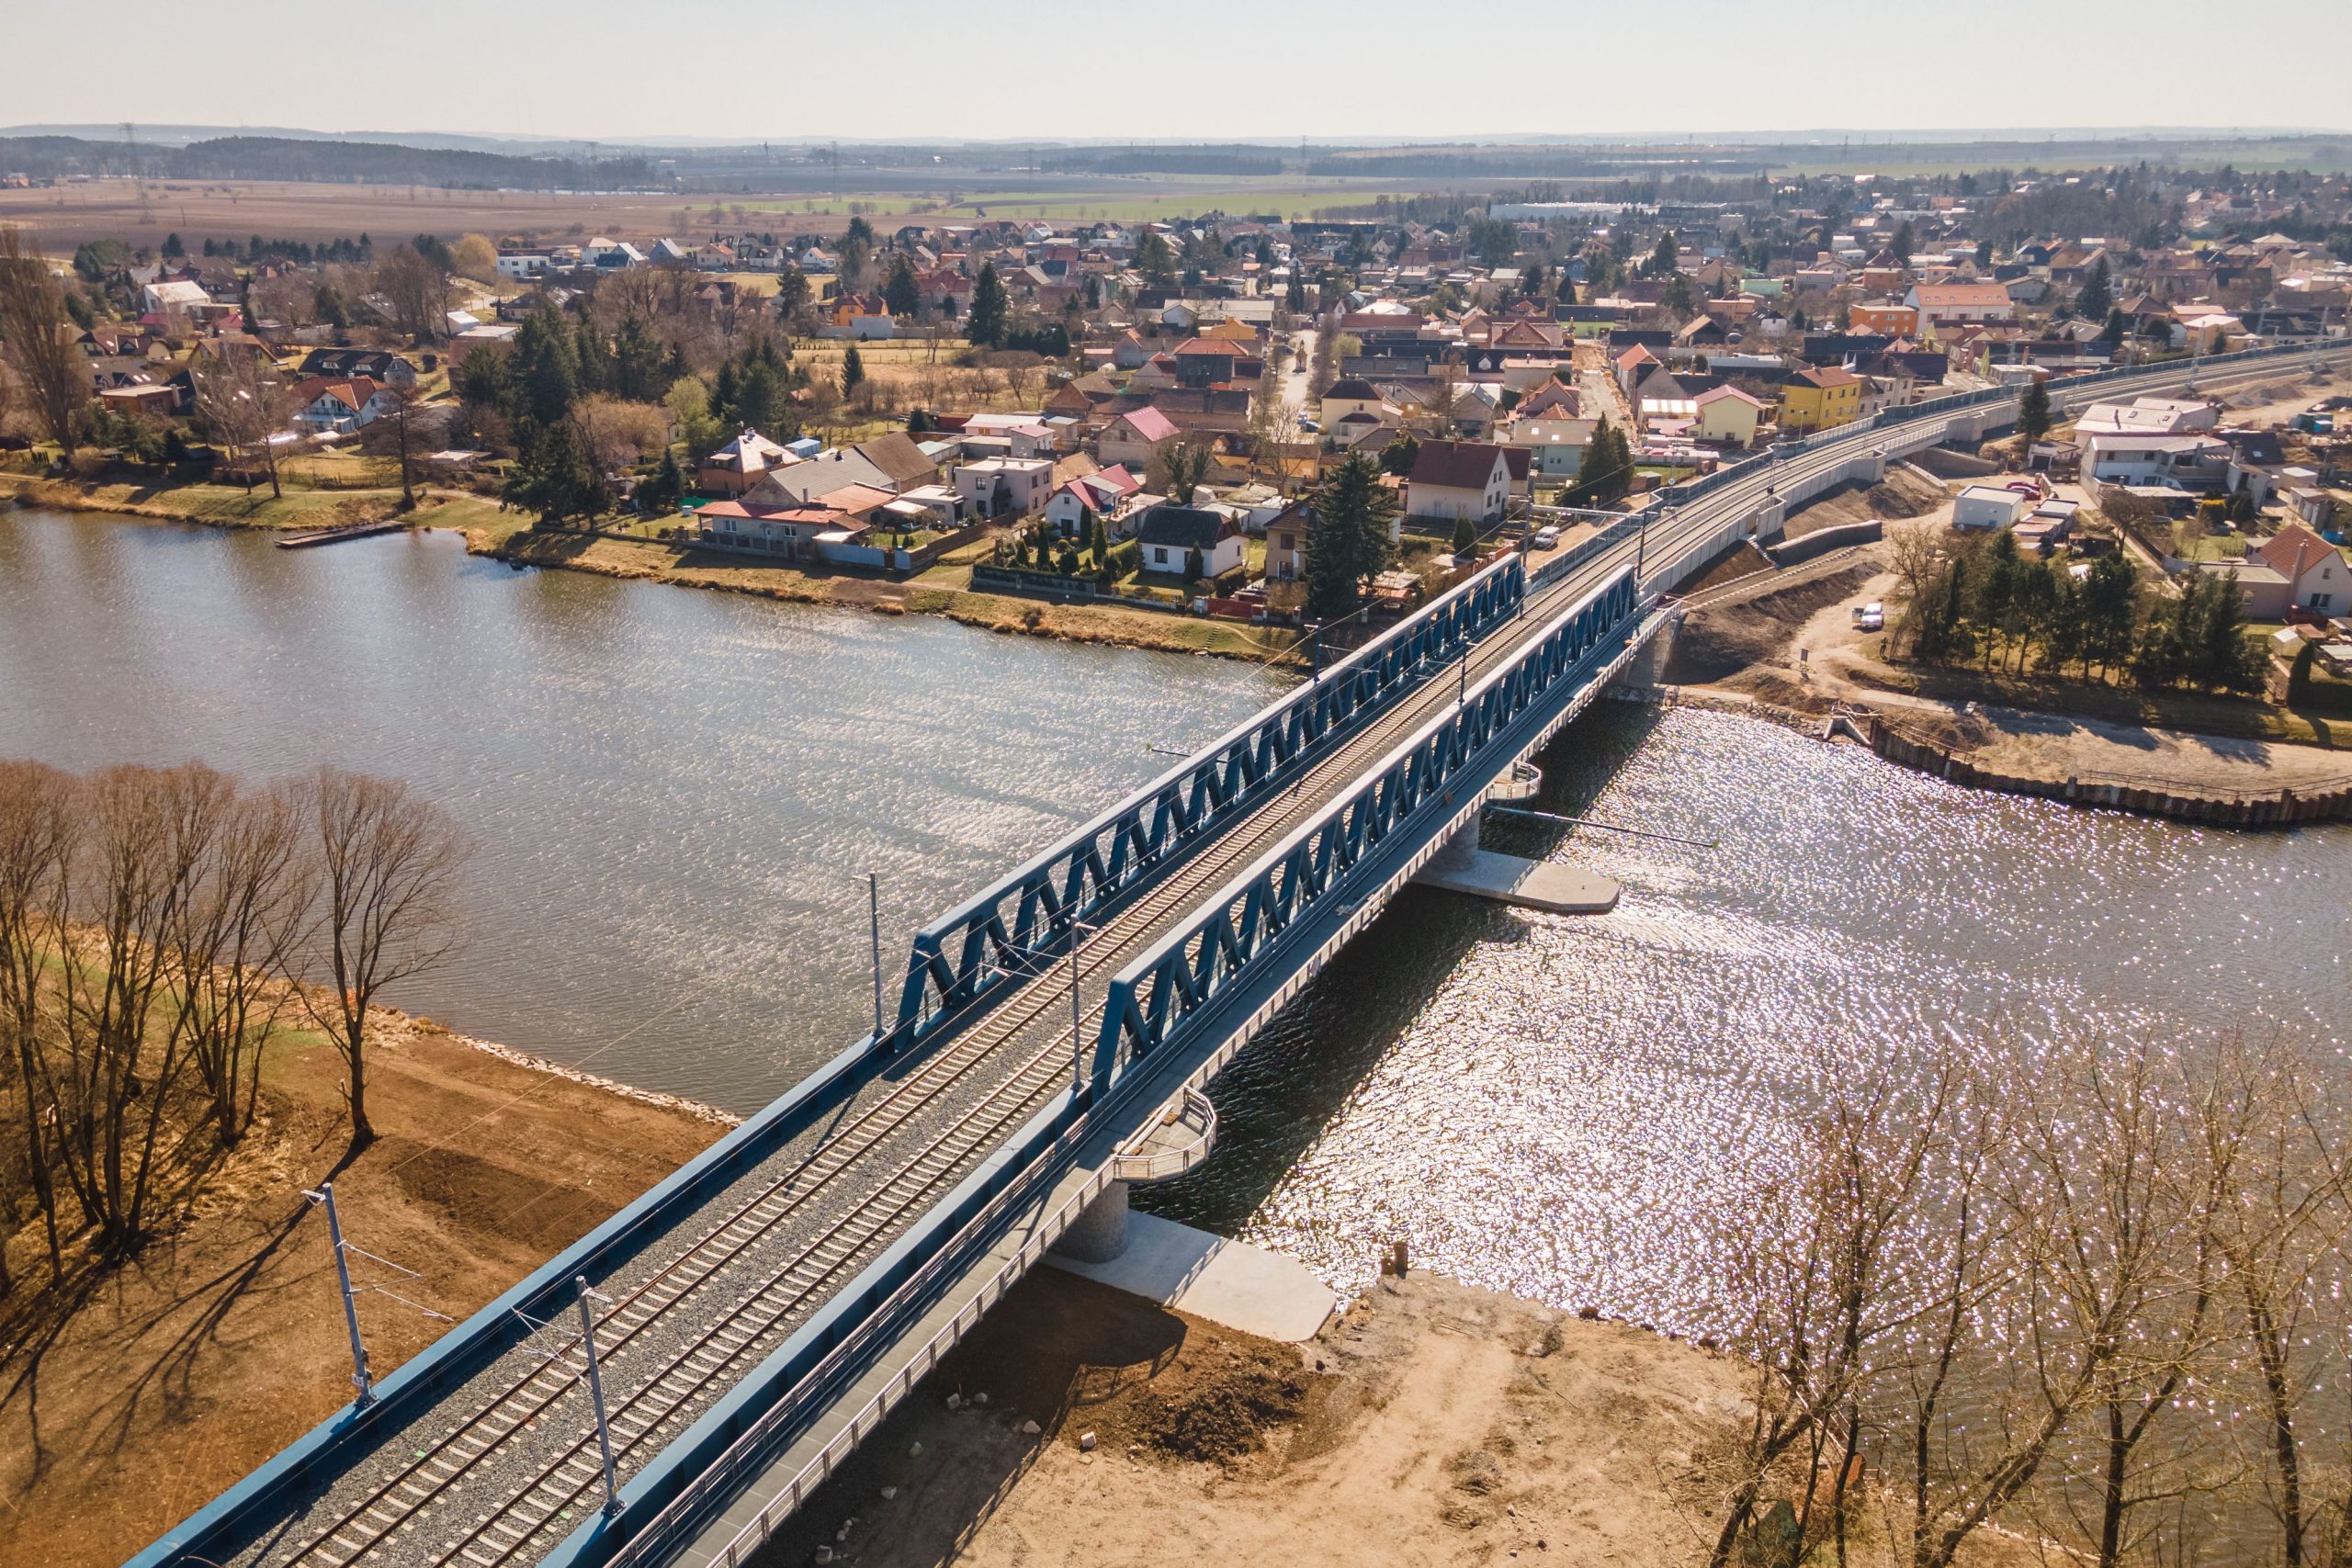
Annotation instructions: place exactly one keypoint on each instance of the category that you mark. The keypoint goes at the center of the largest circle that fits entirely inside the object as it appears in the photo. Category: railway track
(528, 1518)
(392, 1512)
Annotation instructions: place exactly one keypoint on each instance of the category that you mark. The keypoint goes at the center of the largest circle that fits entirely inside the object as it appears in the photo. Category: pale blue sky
(1198, 69)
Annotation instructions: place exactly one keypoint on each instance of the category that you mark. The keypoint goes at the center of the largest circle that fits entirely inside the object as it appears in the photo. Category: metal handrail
(1198, 1110)
(747, 1447)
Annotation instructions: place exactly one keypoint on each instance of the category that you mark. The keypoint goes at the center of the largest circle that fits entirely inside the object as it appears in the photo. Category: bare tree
(1816, 1282)
(40, 831)
(244, 406)
(2275, 1147)
(38, 343)
(416, 290)
(403, 434)
(233, 943)
(389, 861)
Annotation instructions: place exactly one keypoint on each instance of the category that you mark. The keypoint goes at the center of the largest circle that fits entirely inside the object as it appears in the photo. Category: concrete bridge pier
(1462, 866)
(1100, 1233)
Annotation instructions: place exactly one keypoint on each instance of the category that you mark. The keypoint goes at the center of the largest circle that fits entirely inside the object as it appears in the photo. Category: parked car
(1870, 617)
(1546, 537)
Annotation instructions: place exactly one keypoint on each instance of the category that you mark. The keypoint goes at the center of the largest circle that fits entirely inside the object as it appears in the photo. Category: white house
(157, 298)
(323, 406)
(1109, 494)
(1172, 536)
(1556, 446)
(1005, 487)
(2183, 462)
(1989, 506)
(1454, 479)
(522, 264)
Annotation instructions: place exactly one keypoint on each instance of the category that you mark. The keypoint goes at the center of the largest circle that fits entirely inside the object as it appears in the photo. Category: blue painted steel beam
(967, 957)
(1229, 941)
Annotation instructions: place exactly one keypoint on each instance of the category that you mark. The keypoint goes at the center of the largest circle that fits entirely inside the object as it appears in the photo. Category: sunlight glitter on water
(1563, 1108)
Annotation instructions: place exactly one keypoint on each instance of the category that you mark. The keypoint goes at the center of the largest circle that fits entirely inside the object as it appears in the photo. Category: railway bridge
(756, 1315)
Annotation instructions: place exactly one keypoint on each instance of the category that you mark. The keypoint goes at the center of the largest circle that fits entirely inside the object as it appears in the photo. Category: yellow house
(1727, 417)
(1820, 400)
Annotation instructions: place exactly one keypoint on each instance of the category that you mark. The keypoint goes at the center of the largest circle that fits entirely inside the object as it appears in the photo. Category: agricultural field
(143, 212)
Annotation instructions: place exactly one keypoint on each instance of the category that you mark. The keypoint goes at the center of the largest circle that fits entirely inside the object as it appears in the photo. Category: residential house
(1454, 479)
(1555, 442)
(1727, 417)
(1821, 397)
(735, 467)
(794, 531)
(1134, 438)
(1003, 487)
(322, 405)
(1171, 538)
(864, 317)
(2173, 462)
(1107, 493)
(1941, 306)
(374, 364)
(1891, 317)
(2318, 581)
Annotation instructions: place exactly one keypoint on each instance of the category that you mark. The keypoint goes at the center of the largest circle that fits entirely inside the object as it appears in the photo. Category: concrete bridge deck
(759, 1325)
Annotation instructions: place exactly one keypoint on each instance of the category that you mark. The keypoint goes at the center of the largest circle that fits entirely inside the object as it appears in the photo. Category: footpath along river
(674, 795)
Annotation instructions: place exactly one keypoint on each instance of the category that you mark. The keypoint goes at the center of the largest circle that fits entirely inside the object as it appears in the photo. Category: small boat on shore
(341, 532)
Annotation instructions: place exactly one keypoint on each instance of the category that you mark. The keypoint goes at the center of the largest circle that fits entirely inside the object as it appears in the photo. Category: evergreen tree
(545, 367)
(2033, 411)
(791, 292)
(2097, 296)
(1907, 240)
(901, 293)
(553, 478)
(986, 324)
(595, 355)
(1607, 472)
(639, 369)
(2111, 611)
(1347, 536)
(1155, 261)
(658, 495)
(1466, 536)
(852, 370)
(1400, 455)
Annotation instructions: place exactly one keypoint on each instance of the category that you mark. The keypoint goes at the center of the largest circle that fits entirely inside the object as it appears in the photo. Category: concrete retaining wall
(2283, 809)
(1805, 546)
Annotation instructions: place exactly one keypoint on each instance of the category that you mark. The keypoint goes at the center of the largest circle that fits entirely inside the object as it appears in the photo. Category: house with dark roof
(1454, 479)
(373, 364)
(1172, 536)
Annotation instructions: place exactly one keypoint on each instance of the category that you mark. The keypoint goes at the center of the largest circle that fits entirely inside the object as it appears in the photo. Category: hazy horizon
(1898, 66)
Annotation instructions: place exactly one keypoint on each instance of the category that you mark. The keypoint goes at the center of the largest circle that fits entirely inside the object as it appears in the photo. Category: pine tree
(985, 325)
(900, 292)
(1347, 538)
(1465, 537)
(852, 370)
(553, 478)
(545, 367)
(2033, 411)
(2097, 296)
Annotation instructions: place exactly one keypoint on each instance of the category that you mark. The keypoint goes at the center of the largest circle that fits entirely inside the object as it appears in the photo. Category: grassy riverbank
(131, 1397)
(942, 589)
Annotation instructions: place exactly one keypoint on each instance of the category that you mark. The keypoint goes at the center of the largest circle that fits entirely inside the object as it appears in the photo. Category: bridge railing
(1005, 931)
(1232, 937)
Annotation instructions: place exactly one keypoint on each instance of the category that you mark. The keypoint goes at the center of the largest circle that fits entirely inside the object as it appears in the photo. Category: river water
(673, 793)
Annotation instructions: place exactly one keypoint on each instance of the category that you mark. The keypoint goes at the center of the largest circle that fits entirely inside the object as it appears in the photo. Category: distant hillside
(334, 163)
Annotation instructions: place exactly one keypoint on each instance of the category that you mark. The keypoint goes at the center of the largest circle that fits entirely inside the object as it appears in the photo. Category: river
(674, 792)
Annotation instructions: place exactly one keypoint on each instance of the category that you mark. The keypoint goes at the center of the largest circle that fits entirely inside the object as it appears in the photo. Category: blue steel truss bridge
(757, 1314)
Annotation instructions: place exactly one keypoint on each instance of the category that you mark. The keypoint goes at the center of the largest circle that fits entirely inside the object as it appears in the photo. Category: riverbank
(941, 590)
(1431, 1423)
(134, 1396)
(1786, 641)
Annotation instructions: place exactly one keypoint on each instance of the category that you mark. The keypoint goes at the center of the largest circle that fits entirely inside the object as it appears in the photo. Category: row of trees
(160, 928)
(2086, 1292)
(1986, 602)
